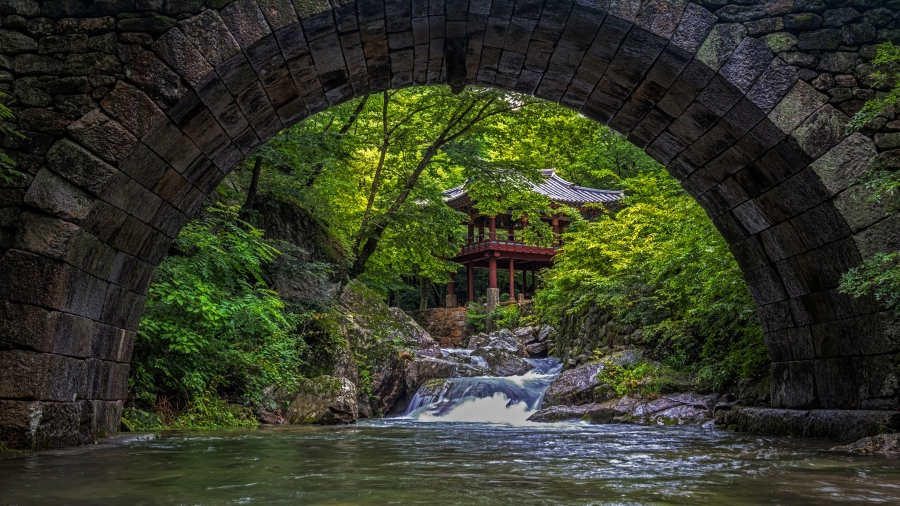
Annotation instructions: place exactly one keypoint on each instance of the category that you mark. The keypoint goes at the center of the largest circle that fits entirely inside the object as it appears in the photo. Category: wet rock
(513, 366)
(581, 386)
(423, 369)
(387, 387)
(677, 409)
(574, 387)
(840, 424)
(594, 413)
(882, 443)
(322, 400)
(472, 371)
(537, 349)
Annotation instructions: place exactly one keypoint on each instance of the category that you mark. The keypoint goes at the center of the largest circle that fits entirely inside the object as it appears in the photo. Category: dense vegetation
(659, 264)
(215, 336)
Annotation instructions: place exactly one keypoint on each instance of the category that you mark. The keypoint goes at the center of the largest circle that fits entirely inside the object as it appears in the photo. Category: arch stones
(134, 110)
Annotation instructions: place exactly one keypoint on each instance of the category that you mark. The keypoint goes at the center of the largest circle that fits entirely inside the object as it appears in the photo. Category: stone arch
(133, 117)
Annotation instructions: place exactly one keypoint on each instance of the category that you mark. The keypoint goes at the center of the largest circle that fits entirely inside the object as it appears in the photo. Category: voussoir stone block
(105, 137)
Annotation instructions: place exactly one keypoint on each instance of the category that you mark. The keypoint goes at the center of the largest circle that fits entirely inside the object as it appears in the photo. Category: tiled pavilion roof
(556, 189)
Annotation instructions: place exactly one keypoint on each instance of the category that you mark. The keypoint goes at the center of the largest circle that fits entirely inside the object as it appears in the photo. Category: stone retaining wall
(446, 325)
(134, 110)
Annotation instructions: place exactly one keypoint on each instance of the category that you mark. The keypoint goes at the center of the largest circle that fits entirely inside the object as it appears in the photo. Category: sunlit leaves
(210, 320)
(660, 264)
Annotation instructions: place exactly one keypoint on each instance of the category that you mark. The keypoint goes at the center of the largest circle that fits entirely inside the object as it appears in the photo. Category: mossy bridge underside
(134, 110)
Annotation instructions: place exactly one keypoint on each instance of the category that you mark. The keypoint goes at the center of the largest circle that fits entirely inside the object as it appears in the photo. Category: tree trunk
(423, 293)
(254, 184)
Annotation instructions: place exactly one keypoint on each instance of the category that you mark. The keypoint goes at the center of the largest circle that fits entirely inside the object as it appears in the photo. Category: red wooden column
(512, 279)
(493, 230)
(470, 281)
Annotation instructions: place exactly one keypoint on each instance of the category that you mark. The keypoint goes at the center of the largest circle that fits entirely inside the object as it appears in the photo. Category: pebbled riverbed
(402, 461)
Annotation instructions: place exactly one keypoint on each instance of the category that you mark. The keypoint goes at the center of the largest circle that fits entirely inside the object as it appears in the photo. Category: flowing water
(490, 456)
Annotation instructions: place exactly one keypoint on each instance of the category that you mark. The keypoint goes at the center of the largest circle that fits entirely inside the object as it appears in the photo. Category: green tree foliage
(374, 170)
(211, 327)
(660, 264)
(880, 275)
(582, 151)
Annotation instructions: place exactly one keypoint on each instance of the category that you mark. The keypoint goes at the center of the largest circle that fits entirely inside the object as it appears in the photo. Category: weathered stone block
(720, 43)
(828, 39)
(57, 196)
(29, 8)
(103, 136)
(80, 166)
(154, 77)
(14, 43)
(134, 110)
(793, 385)
(856, 34)
(796, 106)
(181, 55)
(804, 21)
(822, 131)
(845, 163)
(882, 237)
(35, 425)
(75, 43)
(840, 63)
(39, 376)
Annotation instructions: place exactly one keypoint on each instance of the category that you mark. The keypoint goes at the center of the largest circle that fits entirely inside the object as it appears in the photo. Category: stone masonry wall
(134, 110)
(446, 325)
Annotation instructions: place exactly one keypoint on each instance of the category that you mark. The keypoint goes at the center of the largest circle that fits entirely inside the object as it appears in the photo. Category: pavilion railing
(483, 241)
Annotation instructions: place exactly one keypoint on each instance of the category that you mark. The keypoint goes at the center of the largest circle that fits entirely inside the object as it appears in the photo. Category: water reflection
(410, 462)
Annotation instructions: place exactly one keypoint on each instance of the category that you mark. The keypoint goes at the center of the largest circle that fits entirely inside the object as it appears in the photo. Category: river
(424, 459)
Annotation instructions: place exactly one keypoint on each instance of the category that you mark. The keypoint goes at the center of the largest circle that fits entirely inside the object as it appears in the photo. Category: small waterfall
(485, 399)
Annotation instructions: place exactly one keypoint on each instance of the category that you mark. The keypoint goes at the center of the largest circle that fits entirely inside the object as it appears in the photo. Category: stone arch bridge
(134, 110)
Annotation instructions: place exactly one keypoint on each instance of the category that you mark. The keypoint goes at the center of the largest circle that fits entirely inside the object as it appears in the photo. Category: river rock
(423, 369)
(513, 366)
(677, 409)
(322, 400)
(594, 413)
(388, 384)
(882, 443)
(472, 371)
(574, 387)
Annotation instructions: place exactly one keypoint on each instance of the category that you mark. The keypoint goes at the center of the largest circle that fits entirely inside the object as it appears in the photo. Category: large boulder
(321, 400)
(502, 351)
(574, 387)
(677, 409)
(313, 262)
(581, 385)
(882, 443)
(387, 387)
(424, 369)
(382, 340)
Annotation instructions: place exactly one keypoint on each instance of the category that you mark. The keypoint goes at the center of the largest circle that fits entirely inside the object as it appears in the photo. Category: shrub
(211, 327)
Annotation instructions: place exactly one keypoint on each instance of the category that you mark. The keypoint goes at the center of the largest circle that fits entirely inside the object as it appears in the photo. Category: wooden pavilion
(499, 241)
